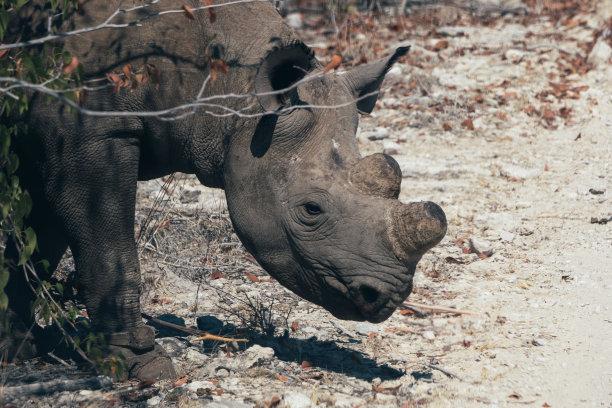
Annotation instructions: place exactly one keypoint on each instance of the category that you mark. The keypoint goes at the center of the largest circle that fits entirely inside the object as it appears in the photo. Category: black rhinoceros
(322, 220)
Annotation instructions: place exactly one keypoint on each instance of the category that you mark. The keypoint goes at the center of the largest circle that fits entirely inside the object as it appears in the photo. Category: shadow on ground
(327, 355)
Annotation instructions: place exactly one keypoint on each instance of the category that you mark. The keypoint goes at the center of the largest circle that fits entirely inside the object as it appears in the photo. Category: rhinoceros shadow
(323, 354)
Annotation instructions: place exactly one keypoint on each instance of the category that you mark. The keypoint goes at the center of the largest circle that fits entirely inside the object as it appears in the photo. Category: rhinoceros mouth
(359, 304)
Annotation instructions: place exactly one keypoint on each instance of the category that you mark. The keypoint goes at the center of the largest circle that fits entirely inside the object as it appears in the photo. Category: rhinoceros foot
(146, 360)
(17, 340)
(154, 364)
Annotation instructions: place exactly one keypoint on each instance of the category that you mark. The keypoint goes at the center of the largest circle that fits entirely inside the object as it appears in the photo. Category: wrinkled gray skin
(323, 221)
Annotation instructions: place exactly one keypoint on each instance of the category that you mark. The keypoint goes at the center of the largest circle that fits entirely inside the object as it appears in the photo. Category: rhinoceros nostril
(370, 295)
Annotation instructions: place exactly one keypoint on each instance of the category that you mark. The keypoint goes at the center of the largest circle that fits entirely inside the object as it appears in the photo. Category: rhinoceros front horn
(377, 175)
(414, 228)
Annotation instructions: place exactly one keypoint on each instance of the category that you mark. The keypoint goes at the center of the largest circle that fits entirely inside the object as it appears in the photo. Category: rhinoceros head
(322, 220)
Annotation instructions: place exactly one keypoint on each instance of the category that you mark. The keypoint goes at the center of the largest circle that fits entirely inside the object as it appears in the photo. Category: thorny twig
(189, 107)
(445, 371)
(440, 309)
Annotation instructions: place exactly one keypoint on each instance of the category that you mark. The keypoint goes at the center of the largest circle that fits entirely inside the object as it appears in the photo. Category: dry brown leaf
(188, 12)
(3, 52)
(333, 64)
(281, 378)
(440, 45)
(145, 384)
(212, 15)
(180, 381)
(81, 97)
(74, 63)
(548, 115)
(447, 127)
(306, 365)
(468, 124)
(294, 325)
(217, 66)
(252, 277)
(135, 82)
(274, 402)
(217, 275)
(393, 390)
(113, 77)
(127, 71)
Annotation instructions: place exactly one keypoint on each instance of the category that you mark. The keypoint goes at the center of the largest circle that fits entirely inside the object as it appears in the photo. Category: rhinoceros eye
(313, 209)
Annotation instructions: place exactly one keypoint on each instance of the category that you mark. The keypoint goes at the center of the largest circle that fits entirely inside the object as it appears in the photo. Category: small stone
(254, 356)
(227, 404)
(175, 347)
(296, 399)
(538, 342)
(600, 54)
(395, 71)
(345, 401)
(506, 236)
(478, 123)
(294, 20)
(498, 221)
(196, 385)
(366, 328)
(514, 55)
(480, 246)
(176, 394)
(154, 401)
(391, 148)
(429, 335)
(222, 373)
(195, 357)
(520, 173)
(375, 134)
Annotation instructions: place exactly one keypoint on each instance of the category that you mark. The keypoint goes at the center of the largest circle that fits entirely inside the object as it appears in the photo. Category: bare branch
(187, 109)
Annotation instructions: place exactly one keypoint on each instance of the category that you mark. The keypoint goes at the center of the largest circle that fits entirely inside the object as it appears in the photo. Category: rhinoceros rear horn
(281, 68)
(365, 80)
(377, 175)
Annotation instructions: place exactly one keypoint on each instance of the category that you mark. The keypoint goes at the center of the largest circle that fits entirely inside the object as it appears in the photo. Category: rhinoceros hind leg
(22, 338)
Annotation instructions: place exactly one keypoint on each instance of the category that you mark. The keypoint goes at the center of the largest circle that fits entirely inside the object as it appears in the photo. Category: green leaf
(3, 22)
(29, 246)
(60, 288)
(3, 300)
(4, 277)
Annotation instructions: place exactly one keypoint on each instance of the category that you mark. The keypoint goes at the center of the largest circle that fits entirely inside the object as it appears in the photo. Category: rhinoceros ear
(366, 80)
(281, 68)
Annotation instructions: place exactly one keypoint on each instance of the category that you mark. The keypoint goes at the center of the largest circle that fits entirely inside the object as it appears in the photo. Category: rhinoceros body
(322, 220)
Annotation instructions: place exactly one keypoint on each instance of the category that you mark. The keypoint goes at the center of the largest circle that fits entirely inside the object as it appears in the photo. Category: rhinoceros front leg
(95, 199)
